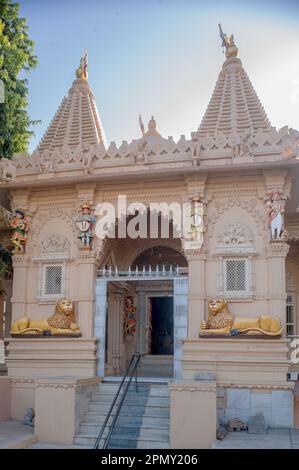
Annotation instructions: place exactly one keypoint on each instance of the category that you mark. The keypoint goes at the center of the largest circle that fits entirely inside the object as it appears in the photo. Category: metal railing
(128, 377)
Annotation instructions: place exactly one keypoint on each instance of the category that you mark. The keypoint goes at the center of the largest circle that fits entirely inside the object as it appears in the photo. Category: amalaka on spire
(81, 71)
(228, 42)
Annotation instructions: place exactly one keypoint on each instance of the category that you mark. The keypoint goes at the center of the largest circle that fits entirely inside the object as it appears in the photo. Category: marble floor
(273, 439)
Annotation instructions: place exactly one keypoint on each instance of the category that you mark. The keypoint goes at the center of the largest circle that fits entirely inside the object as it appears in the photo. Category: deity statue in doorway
(129, 316)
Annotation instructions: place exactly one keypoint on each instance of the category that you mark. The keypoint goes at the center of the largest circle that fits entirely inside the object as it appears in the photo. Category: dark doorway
(162, 325)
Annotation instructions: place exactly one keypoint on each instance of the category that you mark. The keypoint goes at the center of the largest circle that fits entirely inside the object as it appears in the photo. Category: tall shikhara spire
(77, 121)
(234, 106)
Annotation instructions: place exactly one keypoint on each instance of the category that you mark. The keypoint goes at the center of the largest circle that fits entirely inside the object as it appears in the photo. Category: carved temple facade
(244, 170)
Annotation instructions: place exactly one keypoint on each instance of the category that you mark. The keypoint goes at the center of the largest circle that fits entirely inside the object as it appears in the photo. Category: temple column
(115, 323)
(196, 274)
(20, 284)
(87, 269)
(115, 346)
(277, 253)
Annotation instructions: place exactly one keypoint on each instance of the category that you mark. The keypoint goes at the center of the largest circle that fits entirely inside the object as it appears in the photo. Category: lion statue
(222, 322)
(61, 323)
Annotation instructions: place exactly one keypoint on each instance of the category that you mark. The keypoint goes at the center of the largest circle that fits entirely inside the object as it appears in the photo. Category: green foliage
(5, 267)
(16, 55)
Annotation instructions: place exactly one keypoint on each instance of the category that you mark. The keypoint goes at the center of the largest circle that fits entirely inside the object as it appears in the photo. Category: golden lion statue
(61, 323)
(222, 322)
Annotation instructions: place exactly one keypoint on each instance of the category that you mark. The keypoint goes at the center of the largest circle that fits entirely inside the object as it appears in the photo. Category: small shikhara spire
(234, 106)
(228, 42)
(81, 71)
(77, 122)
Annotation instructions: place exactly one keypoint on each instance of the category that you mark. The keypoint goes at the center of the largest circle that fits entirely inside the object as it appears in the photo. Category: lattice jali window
(52, 280)
(291, 314)
(236, 278)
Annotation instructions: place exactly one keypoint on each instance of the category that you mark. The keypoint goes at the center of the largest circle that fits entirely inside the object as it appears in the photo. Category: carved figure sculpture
(7, 170)
(276, 208)
(61, 323)
(222, 322)
(29, 417)
(129, 317)
(85, 223)
(19, 223)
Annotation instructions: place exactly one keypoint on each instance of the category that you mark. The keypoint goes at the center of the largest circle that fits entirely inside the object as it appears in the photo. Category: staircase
(143, 421)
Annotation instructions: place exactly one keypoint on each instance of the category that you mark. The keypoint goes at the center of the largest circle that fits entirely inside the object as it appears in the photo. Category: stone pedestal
(32, 358)
(59, 406)
(193, 416)
(251, 376)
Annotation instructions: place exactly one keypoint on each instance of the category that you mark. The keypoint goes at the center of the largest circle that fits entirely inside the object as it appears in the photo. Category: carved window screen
(53, 280)
(290, 314)
(236, 278)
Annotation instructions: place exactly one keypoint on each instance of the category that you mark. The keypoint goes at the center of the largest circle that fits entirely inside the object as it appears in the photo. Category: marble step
(152, 392)
(134, 400)
(129, 420)
(128, 432)
(122, 443)
(132, 408)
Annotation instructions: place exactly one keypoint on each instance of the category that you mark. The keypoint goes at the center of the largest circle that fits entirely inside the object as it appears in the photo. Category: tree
(16, 56)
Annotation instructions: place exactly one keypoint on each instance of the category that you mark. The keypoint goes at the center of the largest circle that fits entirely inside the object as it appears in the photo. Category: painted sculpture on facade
(19, 223)
(61, 323)
(129, 316)
(276, 208)
(222, 323)
(85, 223)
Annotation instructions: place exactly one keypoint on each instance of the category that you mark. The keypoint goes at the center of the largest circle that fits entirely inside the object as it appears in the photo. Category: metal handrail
(136, 357)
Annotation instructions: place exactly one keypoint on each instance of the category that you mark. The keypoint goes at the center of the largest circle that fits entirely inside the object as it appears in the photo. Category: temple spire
(77, 122)
(228, 42)
(234, 107)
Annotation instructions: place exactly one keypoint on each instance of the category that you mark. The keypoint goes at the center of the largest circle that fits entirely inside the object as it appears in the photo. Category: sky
(161, 58)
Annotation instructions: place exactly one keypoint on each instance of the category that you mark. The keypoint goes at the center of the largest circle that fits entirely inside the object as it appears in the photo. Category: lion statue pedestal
(222, 323)
(62, 323)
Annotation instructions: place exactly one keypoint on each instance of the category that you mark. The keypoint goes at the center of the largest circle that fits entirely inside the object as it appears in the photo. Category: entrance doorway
(161, 325)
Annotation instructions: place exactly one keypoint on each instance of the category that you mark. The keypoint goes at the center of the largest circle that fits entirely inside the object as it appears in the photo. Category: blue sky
(161, 58)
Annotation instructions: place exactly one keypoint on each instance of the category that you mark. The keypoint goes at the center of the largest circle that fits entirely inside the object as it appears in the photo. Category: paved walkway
(15, 435)
(274, 439)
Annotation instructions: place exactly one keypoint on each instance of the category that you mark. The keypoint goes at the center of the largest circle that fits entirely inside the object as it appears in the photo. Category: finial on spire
(152, 128)
(141, 125)
(228, 42)
(81, 71)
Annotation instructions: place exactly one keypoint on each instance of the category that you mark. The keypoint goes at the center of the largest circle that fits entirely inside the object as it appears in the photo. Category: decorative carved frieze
(54, 243)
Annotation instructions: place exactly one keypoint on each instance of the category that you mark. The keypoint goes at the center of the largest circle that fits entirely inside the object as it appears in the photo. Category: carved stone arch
(151, 244)
(248, 206)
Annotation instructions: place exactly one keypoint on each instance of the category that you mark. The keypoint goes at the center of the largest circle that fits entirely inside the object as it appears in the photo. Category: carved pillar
(20, 199)
(115, 328)
(196, 273)
(277, 253)
(20, 283)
